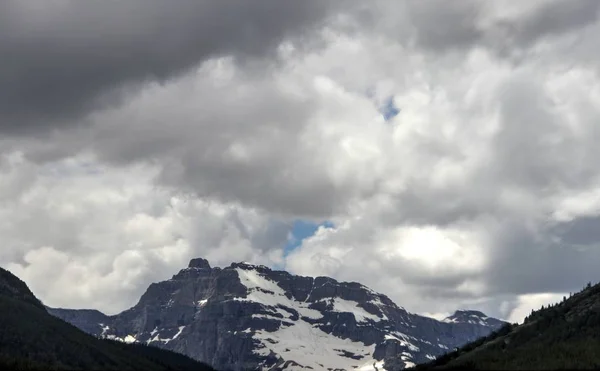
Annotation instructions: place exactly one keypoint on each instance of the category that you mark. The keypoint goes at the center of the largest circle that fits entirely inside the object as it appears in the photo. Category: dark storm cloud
(555, 17)
(442, 26)
(526, 262)
(581, 232)
(445, 25)
(62, 59)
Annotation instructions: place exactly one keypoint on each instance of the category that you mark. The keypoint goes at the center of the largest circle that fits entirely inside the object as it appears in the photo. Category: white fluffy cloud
(481, 192)
(83, 235)
(527, 303)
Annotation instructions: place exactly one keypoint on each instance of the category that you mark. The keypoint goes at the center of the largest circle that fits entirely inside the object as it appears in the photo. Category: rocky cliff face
(248, 317)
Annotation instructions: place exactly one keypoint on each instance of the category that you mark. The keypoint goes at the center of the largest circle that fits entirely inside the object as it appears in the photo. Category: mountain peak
(199, 263)
(471, 317)
(472, 313)
(251, 266)
(277, 320)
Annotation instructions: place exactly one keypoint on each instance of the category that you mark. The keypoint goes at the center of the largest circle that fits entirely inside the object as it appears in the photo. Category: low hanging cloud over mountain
(135, 136)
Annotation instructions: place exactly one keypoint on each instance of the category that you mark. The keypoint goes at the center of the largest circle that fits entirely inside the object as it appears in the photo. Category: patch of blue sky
(389, 109)
(301, 230)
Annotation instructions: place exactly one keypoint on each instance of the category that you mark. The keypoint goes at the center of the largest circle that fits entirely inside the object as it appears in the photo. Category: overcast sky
(442, 153)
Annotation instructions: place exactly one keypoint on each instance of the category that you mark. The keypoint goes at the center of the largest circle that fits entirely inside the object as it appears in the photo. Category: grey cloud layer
(502, 26)
(493, 160)
(68, 58)
(63, 59)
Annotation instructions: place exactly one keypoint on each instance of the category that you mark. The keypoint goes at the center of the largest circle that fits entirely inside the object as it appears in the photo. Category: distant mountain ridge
(473, 317)
(249, 317)
(32, 339)
(563, 336)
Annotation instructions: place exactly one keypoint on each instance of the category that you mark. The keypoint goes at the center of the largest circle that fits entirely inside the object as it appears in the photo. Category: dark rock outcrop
(199, 263)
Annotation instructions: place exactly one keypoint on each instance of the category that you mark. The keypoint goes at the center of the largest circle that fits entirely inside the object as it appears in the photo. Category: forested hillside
(565, 335)
(30, 338)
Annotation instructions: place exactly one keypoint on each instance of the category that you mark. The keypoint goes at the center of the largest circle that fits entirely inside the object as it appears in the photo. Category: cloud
(69, 58)
(535, 301)
(500, 158)
(480, 192)
(511, 31)
(554, 18)
(106, 233)
(220, 133)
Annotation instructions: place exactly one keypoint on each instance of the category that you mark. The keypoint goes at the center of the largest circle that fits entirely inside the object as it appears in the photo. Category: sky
(442, 153)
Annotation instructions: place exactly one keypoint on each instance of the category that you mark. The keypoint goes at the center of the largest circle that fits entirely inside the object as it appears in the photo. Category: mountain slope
(30, 338)
(247, 317)
(84, 319)
(13, 287)
(562, 336)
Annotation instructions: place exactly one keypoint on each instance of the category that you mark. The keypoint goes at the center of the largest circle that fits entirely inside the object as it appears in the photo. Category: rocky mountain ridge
(249, 317)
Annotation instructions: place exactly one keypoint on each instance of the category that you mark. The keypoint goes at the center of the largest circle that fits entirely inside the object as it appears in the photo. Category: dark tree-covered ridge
(30, 339)
(564, 335)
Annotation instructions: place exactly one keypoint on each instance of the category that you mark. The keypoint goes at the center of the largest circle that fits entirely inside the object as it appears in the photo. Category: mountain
(84, 319)
(249, 317)
(473, 317)
(30, 338)
(562, 336)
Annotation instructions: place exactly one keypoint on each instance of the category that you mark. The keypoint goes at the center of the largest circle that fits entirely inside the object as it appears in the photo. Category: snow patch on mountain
(104, 329)
(155, 336)
(129, 339)
(266, 292)
(300, 341)
(372, 366)
(403, 340)
(309, 346)
(347, 306)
